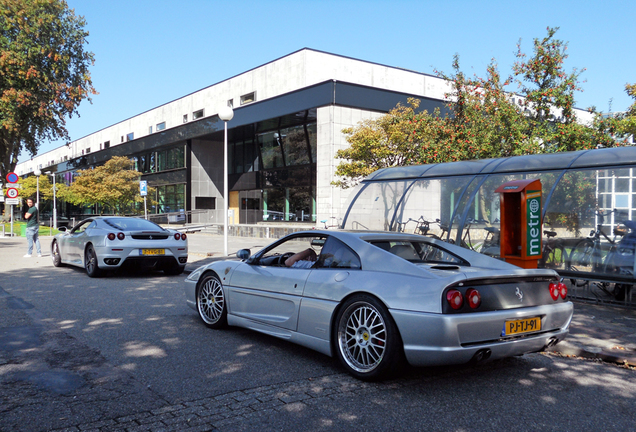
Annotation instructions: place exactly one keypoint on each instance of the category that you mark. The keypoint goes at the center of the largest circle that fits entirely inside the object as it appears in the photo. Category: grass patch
(17, 229)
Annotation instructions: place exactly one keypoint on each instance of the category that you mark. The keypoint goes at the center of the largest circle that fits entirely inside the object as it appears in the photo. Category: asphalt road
(124, 352)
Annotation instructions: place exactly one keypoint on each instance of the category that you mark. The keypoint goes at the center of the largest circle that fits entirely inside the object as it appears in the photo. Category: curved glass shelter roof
(582, 192)
(538, 162)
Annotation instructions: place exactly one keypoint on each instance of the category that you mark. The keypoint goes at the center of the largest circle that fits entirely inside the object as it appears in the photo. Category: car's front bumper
(440, 339)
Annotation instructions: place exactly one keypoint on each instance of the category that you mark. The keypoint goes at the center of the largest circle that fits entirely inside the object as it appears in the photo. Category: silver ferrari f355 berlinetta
(377, 299)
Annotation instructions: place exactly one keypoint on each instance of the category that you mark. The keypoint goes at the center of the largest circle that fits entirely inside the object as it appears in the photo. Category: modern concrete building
(287, 127)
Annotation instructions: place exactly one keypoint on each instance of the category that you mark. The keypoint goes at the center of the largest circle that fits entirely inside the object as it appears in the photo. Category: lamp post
(37, 173)
(225, 113)
(54, 201)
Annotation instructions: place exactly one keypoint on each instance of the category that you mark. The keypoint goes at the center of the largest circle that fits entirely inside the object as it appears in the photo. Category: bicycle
(593, 256)
(553, 253)
(324, 221)
(467, 242)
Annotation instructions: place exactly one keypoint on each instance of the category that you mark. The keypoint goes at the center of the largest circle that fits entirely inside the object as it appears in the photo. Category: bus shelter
(588, 203)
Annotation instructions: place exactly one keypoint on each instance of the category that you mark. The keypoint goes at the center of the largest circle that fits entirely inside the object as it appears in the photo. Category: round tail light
(563, 290)
(473, 297)
(455, 299)
(554, 290)
(177, 236)
(121, 236)
(111, 236)
(183, 237)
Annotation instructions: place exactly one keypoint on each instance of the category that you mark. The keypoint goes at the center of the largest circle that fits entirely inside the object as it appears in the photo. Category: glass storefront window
(288, 204)
(173, 158)
(270, 145)
(170, 198)
(295, 145)
(312, 135)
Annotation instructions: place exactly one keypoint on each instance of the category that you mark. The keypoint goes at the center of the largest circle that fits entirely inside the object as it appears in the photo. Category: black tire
(55, 254)
(174, 270)
(366, 339)
(553, 258)
(91, 262)
(619, 291)
(212, 302)
(582, 256)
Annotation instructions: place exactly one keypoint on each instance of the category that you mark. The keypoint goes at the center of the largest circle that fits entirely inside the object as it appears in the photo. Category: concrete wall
(331, 121)
(207, 175)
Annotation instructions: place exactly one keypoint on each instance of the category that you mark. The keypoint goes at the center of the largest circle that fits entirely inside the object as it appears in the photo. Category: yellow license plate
(152, 251)
(527, 325)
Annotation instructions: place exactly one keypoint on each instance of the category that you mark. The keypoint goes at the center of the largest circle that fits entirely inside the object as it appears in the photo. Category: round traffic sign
(12, 193)
(12, 177)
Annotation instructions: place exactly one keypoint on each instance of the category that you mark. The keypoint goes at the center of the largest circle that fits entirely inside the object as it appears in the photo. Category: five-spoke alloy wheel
(211, 302)
(90, 262)
(55, 254)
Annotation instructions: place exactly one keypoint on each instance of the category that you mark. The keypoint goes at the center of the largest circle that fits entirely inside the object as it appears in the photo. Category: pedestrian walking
(32, 229)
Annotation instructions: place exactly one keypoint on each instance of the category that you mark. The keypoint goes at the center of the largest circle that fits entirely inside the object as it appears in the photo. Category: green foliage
(485, 120)
(114, 185)
(29, 187)
(43, 74)
(381, 143)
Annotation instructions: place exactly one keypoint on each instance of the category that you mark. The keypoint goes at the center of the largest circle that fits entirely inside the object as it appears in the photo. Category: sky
(151, 52)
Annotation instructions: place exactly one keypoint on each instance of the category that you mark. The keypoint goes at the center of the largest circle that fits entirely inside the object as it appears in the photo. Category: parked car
(375, 300)
(101, 243)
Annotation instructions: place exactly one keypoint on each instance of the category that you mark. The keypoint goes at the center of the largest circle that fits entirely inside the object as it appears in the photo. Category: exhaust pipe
(481, 355)
(551, 342)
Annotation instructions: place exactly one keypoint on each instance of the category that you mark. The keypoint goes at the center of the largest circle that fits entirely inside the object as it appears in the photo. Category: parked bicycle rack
(592, 290)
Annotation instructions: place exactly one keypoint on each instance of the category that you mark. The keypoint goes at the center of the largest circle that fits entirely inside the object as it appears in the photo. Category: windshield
(419, 252)
(132, 224)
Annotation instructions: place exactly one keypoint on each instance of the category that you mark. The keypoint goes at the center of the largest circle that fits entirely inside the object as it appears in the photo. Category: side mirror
(243, 254)
(62, 229)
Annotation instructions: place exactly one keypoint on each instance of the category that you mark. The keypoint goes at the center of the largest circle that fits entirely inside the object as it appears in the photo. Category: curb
(620, 355)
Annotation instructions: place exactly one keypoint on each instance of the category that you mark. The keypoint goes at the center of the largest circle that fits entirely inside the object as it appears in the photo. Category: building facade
(282, 141)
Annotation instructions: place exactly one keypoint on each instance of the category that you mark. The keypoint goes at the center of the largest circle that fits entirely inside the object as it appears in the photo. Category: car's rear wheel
(55, 254)
(90, 262)
(211, 302)
(368, 343)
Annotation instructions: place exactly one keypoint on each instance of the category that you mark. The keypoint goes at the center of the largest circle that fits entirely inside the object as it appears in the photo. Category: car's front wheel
(90, 262)
(211, 302)
(367, 341)
(55, 254)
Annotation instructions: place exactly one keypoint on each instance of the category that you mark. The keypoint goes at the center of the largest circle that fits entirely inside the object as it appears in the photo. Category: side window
(82, 227)
(336, 254)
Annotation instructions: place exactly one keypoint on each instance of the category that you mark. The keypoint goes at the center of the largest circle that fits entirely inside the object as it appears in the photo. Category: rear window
(132, 224)
(419, 252)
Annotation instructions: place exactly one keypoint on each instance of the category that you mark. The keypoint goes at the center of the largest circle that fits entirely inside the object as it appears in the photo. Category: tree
(627, 121)
(484, 120)
(380, 143)
(484, 123)
(29, 188)
(548, 98)
(43, 74)
(114, 185)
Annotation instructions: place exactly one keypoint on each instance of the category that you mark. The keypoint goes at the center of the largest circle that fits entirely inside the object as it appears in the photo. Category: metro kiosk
(520, 235)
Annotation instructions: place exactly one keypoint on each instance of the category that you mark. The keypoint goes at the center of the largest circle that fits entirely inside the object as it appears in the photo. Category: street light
(225, 113)
(54, 203)
(37, 173)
